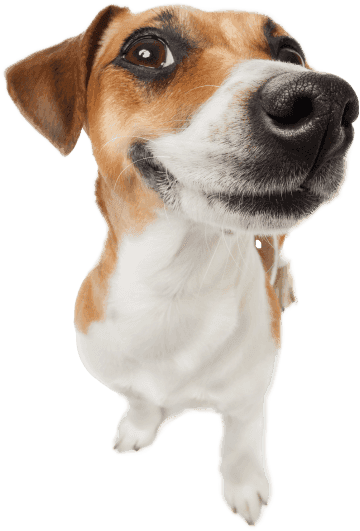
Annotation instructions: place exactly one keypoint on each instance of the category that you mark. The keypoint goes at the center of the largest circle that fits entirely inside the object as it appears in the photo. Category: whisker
(202, 86)
(267, 239)
(123, 136)
(208, 267)
(237, 265)
(226, 263)
(149, 133)
(207, 245)
(170, 183)
(241, 254)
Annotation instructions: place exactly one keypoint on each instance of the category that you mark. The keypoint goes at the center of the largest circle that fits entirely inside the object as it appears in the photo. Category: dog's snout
(310, 114)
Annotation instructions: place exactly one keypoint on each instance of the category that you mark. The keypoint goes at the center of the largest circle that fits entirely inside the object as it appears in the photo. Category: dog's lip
(298, 201)
(223, 196)
(270, 196)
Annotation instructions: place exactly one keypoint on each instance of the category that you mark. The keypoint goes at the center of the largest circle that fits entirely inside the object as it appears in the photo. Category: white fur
(187, 325)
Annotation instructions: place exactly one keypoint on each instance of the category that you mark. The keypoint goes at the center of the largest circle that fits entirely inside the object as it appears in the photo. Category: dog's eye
(288, 55)
(149, 52)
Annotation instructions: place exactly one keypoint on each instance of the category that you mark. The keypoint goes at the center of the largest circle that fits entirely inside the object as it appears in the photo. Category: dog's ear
(49, 87)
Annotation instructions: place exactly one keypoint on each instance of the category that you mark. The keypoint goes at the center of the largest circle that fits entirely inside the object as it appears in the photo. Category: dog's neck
(171, 255)
(180, 282)
(164, 281)
(178, 256)
(200, 258)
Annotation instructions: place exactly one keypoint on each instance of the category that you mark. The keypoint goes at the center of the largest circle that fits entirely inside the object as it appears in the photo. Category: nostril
(296, 112)
(350, 113)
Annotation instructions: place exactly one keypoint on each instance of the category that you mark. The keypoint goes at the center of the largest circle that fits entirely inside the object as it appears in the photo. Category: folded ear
(49, 87)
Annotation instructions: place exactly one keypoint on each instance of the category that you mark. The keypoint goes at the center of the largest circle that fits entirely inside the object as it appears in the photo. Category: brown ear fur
(49, 87)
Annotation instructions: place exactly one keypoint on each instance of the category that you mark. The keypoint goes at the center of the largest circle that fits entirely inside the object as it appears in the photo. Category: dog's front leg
(246, 487)
(139, 426)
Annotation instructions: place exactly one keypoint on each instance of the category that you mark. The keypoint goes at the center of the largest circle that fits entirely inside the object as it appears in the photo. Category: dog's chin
(257, 214)
(260, 214)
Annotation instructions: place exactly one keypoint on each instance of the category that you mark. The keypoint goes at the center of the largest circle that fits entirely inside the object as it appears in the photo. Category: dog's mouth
(295, 204)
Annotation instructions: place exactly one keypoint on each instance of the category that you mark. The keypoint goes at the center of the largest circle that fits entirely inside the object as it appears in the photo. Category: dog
(213, 139)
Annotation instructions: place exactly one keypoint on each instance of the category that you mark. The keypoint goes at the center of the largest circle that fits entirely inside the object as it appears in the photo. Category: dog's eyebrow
(165, 16)
(281, 41)
(175, 26)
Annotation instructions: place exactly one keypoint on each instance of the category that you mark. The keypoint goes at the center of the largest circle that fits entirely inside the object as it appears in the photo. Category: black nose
(309, 114)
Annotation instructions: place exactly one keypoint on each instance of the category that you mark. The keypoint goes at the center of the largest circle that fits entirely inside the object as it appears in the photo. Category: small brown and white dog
(211, 132)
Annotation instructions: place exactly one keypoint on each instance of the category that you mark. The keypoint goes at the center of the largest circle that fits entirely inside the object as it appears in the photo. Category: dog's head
(216, 115)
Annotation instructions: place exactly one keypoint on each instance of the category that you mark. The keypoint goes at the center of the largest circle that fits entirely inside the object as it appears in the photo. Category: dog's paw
(136, 430)
(247, 498)
(130, 437)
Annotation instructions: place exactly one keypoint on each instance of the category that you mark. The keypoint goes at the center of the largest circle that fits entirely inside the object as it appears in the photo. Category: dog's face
(217, 114)
(221, 115)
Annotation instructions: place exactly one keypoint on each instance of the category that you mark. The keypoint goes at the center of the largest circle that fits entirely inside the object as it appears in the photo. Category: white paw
(130, 437)
(248, 497)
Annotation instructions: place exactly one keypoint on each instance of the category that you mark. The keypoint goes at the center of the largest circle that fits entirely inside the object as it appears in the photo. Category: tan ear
(49, 87)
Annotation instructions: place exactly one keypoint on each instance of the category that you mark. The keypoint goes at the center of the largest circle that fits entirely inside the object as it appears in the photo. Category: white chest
(178, 313)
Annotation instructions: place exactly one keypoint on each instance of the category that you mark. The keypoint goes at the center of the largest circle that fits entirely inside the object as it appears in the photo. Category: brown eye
(149, 52)
(288, 55)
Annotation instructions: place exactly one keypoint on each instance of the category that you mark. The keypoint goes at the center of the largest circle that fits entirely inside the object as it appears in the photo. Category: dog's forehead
(231, 32)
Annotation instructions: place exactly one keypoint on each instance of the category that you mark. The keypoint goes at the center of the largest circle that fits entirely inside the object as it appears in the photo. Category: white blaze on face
(197, 156)
(191, 154)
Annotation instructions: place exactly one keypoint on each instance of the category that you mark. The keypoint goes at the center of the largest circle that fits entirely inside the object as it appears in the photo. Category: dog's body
(201, 144)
